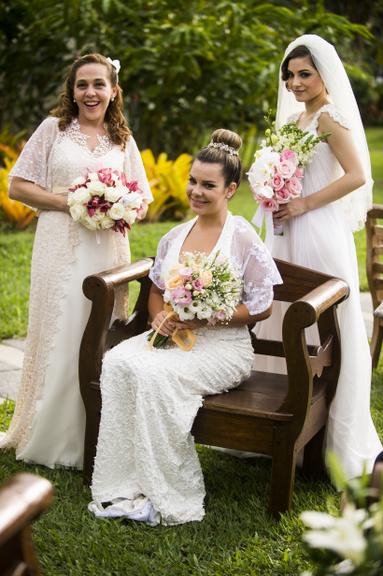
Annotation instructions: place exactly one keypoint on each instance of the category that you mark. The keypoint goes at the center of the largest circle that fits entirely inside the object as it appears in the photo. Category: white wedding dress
(320, 239)
(146, 465)
(49, 421)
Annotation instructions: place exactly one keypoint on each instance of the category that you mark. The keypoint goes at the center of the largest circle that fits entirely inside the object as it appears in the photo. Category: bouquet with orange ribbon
(199, 286)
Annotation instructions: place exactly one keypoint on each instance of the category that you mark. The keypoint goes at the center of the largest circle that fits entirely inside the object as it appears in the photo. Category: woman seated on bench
(146, 467)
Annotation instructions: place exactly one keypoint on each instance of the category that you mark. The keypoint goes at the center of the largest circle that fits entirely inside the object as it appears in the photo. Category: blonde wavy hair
(67, 109)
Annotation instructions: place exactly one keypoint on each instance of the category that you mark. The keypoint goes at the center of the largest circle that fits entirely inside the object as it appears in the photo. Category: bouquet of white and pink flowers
(200, 286)
(276, 173)
(104, 200)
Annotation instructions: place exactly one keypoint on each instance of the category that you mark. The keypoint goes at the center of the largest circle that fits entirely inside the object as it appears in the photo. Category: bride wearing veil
(315, 92)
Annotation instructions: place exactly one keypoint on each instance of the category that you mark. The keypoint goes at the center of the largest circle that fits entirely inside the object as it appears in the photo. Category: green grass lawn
(236, 538)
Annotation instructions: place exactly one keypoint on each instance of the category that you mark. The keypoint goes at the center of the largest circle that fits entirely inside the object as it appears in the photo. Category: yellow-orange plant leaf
(14, 211)
(168, 180)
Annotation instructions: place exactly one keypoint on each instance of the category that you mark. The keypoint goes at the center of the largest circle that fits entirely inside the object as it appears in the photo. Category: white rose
(96, 187)
(106, 223)
(79, 180)
(132, 200)
(112, 194)
(81, 196)
(78, 212)
(93, 176)
(71, 201)
(263, 191)
(90, 222)
(117, 211)
(130, 216)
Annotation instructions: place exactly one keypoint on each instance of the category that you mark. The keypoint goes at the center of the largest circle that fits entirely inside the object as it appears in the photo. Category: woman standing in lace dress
(87, 131)
(315, 92)
(146, 465)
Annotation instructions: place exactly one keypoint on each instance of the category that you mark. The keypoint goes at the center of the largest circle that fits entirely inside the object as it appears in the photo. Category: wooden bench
(271, 414)
(374, 266)
(22, 499)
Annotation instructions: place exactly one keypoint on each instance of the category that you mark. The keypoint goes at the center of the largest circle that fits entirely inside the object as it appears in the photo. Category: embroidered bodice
(53, 158)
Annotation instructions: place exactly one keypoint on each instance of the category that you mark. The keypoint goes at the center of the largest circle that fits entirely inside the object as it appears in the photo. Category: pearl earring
(74, 99)
(112, 99)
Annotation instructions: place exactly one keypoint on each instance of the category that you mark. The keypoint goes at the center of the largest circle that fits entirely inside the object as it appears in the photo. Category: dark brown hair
(297, 52)
(67, 109)
(231, 163)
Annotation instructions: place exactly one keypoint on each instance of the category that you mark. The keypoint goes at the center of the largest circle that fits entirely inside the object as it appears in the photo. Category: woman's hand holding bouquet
(201, 290)
(104, 200)
(276, 174)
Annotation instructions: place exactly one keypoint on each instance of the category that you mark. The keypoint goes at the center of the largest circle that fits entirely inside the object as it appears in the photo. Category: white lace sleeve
(155, 273)
(134, 168)
(33, 162)
(335, 115)
(258, 267)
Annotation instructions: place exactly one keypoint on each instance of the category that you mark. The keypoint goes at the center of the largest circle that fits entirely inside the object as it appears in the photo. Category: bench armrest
(375, 212)
(101, 290)
(22, 499)
(319, 305)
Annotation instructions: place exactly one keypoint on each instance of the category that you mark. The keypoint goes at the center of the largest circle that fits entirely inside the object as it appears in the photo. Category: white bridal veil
(338, 86)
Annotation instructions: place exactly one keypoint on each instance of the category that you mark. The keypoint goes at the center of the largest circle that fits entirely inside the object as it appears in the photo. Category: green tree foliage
(366, 70)
(188, 66)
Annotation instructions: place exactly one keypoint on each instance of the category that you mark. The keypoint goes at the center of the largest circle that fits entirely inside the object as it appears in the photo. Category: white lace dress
(150, 397)
(321, 239)
(49, 420)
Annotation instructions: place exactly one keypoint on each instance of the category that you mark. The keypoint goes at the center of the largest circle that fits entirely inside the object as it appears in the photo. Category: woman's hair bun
(228, 137)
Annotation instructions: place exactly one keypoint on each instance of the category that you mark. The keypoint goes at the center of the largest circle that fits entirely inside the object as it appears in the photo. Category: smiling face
(304, 81)
(206, 189)
(92, 91)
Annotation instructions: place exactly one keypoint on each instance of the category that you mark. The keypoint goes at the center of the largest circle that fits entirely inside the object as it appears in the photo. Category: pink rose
(286, 168)
(105, 176)
(270, 204)
(283, 196)
(289, 155)
(181, 296)
(277, 182)
(197, 285)
(298, 173)
(294, 187)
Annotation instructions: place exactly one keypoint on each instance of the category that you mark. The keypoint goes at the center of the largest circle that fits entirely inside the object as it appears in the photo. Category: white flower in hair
(115, 63)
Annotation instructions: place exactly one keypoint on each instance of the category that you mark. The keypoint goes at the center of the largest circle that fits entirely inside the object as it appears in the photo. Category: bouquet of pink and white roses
(105, 199)
(276, 173)
(200, 286)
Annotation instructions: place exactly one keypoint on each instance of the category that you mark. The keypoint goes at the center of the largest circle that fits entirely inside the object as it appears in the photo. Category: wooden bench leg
(93, 414)
(376, 342)
(282, 475)
(313, 457)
